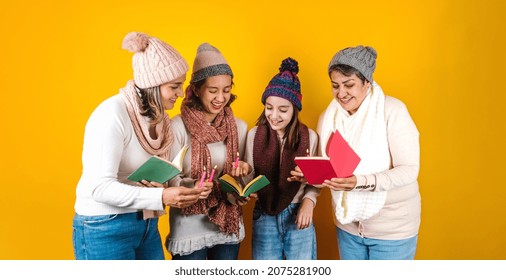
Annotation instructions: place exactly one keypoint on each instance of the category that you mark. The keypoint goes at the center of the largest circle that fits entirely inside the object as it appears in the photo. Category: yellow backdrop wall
(444, 58)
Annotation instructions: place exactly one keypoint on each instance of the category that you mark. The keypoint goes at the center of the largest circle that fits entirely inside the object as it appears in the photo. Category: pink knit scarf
(225, 215)
(160, 145)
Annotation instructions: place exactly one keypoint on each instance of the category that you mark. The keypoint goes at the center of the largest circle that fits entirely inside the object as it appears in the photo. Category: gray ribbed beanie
(361, 58)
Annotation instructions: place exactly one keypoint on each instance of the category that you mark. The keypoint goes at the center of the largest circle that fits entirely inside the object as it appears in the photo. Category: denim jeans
(353, 247)
(217, 252)
(116, 237)
(277, 237)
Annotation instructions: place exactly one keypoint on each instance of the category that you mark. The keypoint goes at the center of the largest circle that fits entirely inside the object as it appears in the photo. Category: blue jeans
(277, 237)
(353, 247)
(217, 252)
(116, 237)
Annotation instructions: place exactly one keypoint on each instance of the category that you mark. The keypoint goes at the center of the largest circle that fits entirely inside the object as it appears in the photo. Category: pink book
(340, 163)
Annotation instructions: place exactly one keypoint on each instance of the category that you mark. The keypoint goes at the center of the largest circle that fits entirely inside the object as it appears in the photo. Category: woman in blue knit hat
(283, 215)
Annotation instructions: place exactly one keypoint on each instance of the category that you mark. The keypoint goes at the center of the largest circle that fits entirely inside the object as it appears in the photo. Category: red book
(340, 163)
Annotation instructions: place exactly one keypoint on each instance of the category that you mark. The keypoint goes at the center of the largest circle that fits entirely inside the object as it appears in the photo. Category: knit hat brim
(213, 70)
(283, 93)
(162, 76)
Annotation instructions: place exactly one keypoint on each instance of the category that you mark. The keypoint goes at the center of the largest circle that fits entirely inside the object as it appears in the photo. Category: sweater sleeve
(242, 133)
(404, 146)
(248, 155)
(105, 138)
(181, 138)
(311, 192)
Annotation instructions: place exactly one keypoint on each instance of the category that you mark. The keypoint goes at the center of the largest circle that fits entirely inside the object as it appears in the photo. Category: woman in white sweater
(117, 218)
(377, 210)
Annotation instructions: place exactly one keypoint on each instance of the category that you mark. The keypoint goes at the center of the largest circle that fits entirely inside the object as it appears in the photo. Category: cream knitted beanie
(154, 62)
(209, 62)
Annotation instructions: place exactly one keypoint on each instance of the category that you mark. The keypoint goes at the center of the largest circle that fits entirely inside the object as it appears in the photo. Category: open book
(229, 184)
(158, 169)
(340, 163)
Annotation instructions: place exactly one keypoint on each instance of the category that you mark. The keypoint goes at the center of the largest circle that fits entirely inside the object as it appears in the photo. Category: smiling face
(350, 91)
(170, 91)
(214, 95)
(278, 112)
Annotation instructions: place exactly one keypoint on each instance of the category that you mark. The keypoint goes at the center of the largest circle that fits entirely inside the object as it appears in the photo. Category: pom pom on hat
(285, 84)
(289, 64)
(135, 42)
(154, 62)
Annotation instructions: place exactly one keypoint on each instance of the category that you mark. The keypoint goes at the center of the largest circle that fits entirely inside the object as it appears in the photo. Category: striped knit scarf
(225, 215)
(159, 146)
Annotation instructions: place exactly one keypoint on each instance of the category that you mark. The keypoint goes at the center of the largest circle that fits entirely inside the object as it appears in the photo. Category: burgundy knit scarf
(268, 161)
(225, 215)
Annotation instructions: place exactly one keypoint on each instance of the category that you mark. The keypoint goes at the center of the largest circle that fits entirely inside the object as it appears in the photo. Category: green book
(158, 169)
(229, 184)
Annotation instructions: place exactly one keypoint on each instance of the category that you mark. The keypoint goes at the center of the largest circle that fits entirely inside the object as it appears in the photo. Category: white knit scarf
(366, 133)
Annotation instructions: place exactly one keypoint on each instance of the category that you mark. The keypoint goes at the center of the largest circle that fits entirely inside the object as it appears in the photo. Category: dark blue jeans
(217, 252)
(116, 237)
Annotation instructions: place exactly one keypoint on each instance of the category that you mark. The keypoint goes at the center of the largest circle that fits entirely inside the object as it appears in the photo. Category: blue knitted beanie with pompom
(285, 84)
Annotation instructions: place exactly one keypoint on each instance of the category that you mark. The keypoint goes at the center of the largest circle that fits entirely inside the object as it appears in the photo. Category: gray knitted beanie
(361, 58)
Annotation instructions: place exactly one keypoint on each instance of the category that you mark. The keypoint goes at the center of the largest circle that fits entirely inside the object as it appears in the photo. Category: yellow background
(445, 59)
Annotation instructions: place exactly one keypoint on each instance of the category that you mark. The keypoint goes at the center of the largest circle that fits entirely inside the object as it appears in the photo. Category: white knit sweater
(111, 152)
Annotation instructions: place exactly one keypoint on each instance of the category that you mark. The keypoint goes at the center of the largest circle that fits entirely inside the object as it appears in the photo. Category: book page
(178, 159)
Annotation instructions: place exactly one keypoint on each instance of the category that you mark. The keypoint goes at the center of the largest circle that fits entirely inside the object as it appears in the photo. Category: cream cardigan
(400, 216)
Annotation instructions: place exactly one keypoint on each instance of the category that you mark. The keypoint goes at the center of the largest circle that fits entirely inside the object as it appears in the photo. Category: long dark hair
(291, 130)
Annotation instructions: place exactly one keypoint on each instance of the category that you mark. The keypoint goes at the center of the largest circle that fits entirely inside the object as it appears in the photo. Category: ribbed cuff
(365, 183)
